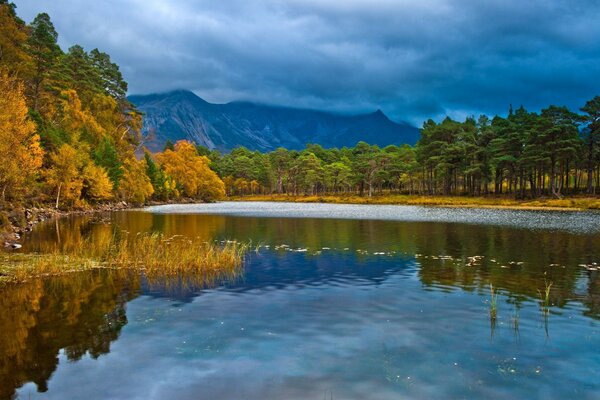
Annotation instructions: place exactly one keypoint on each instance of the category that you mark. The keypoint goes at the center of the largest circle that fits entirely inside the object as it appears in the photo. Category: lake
(337, 302)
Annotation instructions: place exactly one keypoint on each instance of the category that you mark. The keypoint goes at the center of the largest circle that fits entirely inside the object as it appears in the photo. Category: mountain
(183, 115)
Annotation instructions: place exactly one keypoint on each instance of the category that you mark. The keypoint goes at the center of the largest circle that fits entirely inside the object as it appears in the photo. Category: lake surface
(339, 302)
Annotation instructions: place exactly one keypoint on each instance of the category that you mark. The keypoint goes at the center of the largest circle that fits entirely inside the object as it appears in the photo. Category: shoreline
(22, 219)
(567, 204)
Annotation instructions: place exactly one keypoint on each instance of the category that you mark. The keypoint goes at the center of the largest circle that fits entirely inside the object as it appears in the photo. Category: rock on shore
(15, 222)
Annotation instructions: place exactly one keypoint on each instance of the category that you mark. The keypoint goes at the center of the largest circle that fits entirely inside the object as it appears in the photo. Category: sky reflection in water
(328, 307)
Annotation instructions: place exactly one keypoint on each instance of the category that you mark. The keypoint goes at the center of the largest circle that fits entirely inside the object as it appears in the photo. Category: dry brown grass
(151, 254)
(577, 203)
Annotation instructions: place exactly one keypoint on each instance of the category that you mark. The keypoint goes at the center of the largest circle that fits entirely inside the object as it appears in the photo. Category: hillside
(183, 115)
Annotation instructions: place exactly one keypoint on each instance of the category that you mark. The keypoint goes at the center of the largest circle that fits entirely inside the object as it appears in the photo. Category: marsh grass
(516, 322)
(545, 297)
(152, 254)
(493, 303)
(581, 203)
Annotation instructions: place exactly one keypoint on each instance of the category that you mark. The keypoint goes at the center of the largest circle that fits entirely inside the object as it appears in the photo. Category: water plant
(515, 322)
(493, 303)
(150, 253)
(545, 297)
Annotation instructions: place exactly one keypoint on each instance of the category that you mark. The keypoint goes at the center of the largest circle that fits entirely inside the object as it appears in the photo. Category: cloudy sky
(412, 59)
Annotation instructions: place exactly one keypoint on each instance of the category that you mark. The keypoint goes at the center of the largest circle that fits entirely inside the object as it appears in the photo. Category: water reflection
(349, 308)
(516, 261)
(81, 314)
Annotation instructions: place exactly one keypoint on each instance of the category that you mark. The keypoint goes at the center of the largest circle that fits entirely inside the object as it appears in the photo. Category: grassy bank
(151, 254)
(575, 203)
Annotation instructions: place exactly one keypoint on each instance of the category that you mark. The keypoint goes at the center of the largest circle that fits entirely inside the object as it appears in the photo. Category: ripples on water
(396, 306)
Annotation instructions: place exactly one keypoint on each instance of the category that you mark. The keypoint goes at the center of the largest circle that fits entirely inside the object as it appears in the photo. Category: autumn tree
(192, 172)
(97, 185)
(64, 176)
(13, 40)
(163, 185)
(20, 151)
(135, 186)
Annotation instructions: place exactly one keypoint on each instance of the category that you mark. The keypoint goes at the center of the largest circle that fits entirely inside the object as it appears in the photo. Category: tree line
(69, 136)
(552, 153)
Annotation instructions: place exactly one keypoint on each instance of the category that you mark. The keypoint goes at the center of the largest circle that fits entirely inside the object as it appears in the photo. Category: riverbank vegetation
(573, 203)
(151, 254)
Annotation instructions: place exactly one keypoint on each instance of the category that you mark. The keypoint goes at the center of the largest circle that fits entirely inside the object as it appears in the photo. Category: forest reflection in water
(449, 255)
(80, 314)
(83, 313)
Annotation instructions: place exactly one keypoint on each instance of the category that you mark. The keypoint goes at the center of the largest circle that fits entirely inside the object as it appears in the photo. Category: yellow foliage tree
(135, 185)
(241, 186)
(20, 151)
(229, 185)
(75, 119)
(192, 172)
(254, 186)
(64, 176)
(96, 183)
(13, 37)
(122, 126)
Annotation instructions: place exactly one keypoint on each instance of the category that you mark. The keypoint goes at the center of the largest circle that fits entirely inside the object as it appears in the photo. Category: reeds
(493, 303)
(545, 297)
(516, 321)
(152, 254)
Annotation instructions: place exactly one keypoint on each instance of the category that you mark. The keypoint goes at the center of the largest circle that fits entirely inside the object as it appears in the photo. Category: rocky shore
(16, 222)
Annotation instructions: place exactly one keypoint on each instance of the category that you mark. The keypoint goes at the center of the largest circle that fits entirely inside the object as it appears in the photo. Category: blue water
(340, 308)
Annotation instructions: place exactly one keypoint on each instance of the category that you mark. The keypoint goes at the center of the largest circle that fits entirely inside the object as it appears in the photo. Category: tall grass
(493, 303)
(448, 201)
(516, 322)
(152, 254)
(545, 297)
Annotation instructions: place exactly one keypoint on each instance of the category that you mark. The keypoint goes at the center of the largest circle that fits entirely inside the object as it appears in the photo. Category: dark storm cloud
(413, 59)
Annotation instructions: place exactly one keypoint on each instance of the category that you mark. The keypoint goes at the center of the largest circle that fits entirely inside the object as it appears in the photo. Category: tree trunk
(279, 183)
(590, 168)
(58, 195)
(553, 180)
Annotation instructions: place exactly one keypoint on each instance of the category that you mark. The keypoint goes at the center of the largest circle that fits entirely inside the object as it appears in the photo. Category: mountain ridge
(181, 114)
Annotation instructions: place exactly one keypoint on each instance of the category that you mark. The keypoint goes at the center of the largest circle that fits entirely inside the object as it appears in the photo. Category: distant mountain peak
(181, 114)
(173, 95)
(380, 114)
(180, 92)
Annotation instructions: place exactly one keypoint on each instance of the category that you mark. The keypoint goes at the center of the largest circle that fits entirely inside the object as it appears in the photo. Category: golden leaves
(20, 151)
(192, 172)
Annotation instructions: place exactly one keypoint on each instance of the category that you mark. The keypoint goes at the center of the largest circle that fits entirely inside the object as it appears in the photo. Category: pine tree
(592, 138)
(44, 51)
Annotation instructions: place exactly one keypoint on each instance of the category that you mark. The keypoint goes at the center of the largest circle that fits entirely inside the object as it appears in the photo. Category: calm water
(342, 302)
